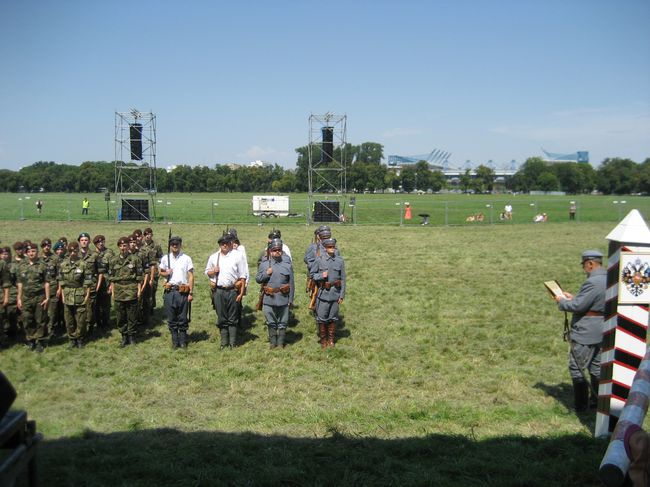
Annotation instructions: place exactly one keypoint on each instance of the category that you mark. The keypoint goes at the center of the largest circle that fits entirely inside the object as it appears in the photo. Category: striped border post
(626, 325)
(616, 461)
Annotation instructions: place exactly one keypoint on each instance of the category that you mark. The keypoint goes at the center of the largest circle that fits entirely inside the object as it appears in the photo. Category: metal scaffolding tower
(327, 164)
(135, 162)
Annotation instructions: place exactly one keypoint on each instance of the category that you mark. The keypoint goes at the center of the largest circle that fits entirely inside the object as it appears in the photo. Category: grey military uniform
(587, 331)
(279, 289)
(331, 289)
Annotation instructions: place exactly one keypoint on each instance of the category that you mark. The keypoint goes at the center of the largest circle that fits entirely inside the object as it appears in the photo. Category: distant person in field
(540, 218)
(39, 206)
(572, 210)
(507, 212)
(85, 204)
(586, 333)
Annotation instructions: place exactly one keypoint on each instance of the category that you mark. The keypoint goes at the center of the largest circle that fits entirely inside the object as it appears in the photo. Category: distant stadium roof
(435, 157)
(580, 156)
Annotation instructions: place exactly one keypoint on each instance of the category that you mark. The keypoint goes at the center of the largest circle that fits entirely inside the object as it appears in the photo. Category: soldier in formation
(33, 297)
(328, 274)
(125, 280)
(224, 268)
(275, 274)
(74, 287)
(178, 270)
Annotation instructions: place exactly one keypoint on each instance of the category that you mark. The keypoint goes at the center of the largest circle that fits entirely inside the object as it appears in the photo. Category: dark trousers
(176, 308)
(126, 313)
(226, 306)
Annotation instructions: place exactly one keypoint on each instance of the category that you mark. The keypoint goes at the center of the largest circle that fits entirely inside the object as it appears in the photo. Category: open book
(554, 288)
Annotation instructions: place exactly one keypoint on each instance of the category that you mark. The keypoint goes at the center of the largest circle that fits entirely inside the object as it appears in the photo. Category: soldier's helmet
(275, 244)
(329, 242)
(325, 233)
(275, 233)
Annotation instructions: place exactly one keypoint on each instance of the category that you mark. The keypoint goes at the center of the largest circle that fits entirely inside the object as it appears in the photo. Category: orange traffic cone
(407, 212)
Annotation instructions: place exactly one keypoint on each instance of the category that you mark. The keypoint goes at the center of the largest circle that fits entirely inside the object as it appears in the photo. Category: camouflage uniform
(52, 262)
(144, 304)
(125, 275)
(5, 282)
(33, 278)
(155, 254)
(75, 281)
(12, 316)
(102, 309)
(92, 267)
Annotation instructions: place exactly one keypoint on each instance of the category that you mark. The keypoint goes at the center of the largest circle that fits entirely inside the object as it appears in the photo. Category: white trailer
(266, 206)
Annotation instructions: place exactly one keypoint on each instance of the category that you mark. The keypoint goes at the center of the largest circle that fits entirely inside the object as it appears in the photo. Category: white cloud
(257, 152)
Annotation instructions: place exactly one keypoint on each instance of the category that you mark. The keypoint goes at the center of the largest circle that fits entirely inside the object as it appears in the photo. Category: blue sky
(237, 81)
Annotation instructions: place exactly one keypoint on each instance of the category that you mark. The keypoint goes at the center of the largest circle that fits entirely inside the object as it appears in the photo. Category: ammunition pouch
(270, 291)
(181, 288)
(329, 285)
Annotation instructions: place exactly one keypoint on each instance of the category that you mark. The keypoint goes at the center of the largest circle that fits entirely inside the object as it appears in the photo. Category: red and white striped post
(626, 321)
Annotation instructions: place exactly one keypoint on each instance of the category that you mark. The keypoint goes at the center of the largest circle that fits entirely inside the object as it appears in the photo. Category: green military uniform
(155, 254)
(92, 267)
(5, 282)
(103, 299)
(144, 304)
(33, 277)
(52, 262)
(125, 275)
(75, 281)
(12, 317)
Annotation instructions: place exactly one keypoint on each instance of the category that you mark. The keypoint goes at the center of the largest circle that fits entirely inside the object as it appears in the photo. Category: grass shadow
(563, 393)
(173, 457)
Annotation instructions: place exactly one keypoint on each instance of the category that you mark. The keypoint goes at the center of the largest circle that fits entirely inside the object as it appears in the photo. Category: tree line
(365, 172)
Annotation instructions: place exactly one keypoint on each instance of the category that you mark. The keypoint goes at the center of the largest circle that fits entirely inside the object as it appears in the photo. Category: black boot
(232, 336)
(224, 337)
(593, 400)
(273, 338)
(282, 333)
(174, 339)
(580, 395)
(182, 339)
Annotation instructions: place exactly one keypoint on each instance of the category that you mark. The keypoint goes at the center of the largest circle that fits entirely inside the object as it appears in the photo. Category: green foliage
(618, 176)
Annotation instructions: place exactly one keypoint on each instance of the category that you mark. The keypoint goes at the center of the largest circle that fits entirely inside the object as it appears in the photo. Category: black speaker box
(327, 148)
(135, 210)
(326, 211)
(136, 141)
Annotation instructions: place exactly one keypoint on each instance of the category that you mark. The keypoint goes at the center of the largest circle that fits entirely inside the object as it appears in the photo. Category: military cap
(148, 231)
(276, 243)
(73, 246)
(29, 246)
(232, 231)
(46, 241)
(137, 232)
(99, 238)
(275, 234)
(63, 239)
(58, 245)
(225, 238)
(123, 240)
(175, 239)
(5, 250)
(329, 242)
(327, 233)
(83, 234)
(133, 237)
(591, 255)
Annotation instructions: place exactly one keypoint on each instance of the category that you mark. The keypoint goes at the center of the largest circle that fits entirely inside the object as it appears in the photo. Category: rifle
(260, 301)
(169, 253)
(314, 295)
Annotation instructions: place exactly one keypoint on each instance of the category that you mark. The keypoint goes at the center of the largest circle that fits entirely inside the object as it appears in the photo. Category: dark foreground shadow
(563, 393)
(169, 457)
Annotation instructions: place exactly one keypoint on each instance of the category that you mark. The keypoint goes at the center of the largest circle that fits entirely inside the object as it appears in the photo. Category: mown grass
(370, 209)
(449, 369)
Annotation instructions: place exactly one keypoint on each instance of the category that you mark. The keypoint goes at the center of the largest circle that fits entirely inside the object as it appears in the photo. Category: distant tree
(547, 181)
(643, 184)
(484, 180)
(466, 180)
(617, 176)
(408, 178)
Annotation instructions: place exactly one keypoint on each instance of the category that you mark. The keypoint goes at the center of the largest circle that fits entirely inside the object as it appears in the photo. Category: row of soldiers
(71, 283)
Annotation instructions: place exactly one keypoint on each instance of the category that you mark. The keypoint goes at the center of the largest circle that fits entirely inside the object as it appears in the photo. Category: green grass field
(370, 209)
(449, 369)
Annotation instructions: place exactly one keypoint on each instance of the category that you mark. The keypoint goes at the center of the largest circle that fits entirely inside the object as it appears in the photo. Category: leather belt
(594, 313)
(226, 288)
(337, 284)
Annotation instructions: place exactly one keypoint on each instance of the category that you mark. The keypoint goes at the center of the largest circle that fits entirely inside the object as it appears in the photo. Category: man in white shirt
(238, 247)
(224, 269)
(178, 270)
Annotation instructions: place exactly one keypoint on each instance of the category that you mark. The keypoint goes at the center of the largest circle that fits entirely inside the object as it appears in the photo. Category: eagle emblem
(636, 277)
